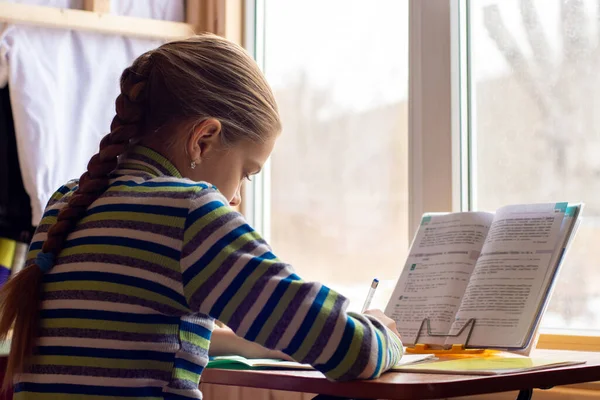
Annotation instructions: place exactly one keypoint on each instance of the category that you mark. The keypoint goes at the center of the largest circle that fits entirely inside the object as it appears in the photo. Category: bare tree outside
(536, 91)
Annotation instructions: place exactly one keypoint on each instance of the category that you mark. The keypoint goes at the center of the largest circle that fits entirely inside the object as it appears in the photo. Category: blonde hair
(183, 81)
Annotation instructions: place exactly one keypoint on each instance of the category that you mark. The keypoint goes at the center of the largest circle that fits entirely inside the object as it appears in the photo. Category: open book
(497, 268)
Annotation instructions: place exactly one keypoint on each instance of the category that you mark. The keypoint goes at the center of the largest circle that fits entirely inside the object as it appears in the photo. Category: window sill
(551, 341)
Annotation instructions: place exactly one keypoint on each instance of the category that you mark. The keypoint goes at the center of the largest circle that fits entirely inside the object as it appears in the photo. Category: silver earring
(193, 165)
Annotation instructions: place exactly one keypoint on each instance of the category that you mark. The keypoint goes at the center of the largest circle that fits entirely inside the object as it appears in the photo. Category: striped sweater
(128, 310)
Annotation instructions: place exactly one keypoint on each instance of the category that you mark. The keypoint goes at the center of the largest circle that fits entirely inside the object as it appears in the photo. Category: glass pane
(536, 128)
(339, 201)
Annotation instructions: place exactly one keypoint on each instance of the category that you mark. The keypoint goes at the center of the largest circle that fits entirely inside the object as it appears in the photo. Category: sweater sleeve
(230, 273)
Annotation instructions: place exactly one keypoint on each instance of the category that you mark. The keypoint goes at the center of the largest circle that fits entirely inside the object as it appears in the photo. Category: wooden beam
(99, 6)
(221, 17)
(234, 20)
(212, 16)
(14, 13)
(193, 13)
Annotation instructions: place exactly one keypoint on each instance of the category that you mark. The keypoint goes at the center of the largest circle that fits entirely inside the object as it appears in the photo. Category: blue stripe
(342, 348)
(197, 329)
(159, 184)
(63, 388)
(268, 309)
(214, 251)
(51, 213)
(127, 243)
(309, 320)
(379, 356)
(116, 278)
(36, 245)
(294, 277)
(202, 211)
(4, 274)
(63, 189)
(110, 316)
(140, 208)
(188, 366)
(237, 283)
(104, 353)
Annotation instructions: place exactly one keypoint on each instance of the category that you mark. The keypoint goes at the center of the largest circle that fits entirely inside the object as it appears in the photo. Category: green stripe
(352, 354)
(158, 158)
(57, 195)
(76, 361)
(399, 345)
(242, 293)
(194, 339)
(103, 249)
(184, 374)
(111, 287)
(104, 325)
(192, 230)
(48, 220)
(152, 189)
(32, 254)
(317, 327)
(384, 356)
(138, 167)
(282, 306)
(176, 222)
(216, 262)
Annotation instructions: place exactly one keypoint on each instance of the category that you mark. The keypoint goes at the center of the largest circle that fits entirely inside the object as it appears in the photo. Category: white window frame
(257, 196)
(434, 150)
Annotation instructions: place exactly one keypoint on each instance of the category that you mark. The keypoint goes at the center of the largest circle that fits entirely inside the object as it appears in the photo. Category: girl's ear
(204, 137)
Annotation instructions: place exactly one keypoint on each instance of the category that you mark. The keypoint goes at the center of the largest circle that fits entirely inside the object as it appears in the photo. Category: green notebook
(239, 362)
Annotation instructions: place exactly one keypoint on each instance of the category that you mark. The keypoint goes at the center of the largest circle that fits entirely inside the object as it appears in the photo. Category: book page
(503, 292)
(436, 273)
(568, 230)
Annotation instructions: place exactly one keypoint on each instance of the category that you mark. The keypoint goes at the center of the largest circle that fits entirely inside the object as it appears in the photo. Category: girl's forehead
(256, 152)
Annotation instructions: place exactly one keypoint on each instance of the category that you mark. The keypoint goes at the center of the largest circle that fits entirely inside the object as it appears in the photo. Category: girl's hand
(384, 319)
(279, 355)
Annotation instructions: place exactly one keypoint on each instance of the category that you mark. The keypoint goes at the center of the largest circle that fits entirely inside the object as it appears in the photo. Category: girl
(131, 264)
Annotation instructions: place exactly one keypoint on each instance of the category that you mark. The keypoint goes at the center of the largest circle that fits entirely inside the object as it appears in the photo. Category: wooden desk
(405, 386)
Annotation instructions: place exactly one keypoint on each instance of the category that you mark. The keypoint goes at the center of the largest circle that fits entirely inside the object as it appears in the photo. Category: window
(535, 130)
(501, 110)
(339, 181)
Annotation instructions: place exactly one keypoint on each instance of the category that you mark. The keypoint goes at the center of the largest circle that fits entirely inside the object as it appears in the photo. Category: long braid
(21, 296)
(125, 127)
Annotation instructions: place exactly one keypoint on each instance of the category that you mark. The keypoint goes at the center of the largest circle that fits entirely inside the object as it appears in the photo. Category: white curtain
(63, 86)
